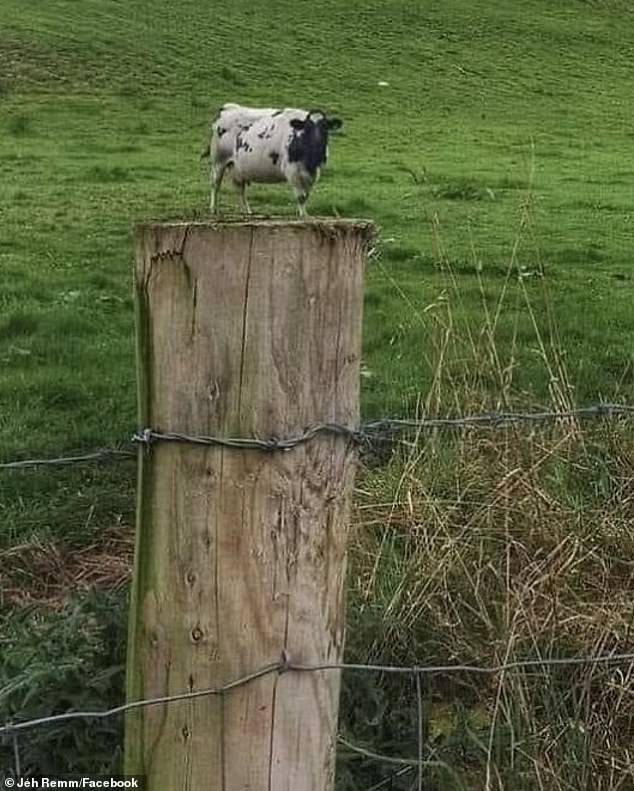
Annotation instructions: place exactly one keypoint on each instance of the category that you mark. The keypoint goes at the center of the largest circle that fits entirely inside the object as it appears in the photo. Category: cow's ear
(335, 123)
(297, 123)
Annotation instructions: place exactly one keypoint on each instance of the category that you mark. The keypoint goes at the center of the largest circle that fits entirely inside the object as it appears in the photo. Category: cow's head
(310, 142)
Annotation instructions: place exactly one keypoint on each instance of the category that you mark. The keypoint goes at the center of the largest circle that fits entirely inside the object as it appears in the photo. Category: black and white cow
(268, 145)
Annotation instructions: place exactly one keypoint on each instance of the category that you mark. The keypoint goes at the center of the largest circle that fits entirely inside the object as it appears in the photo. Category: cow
(268, 145)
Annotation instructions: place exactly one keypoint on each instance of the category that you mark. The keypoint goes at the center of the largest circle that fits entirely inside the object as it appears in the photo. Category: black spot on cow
(267, 133)
(274, 157)
(221, 130)
(277, 112)
(241, 143)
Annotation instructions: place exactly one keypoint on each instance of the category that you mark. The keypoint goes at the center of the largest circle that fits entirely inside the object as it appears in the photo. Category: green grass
(496, 163)
(103, 123)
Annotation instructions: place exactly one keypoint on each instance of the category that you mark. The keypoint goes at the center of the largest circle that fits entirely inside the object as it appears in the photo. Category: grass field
(498, 165)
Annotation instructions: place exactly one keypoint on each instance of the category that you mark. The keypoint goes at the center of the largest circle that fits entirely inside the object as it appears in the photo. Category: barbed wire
(149, 437)
(382, 430)
(500, 418)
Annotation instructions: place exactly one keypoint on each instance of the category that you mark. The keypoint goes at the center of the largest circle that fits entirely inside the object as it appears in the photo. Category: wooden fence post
(245, 329)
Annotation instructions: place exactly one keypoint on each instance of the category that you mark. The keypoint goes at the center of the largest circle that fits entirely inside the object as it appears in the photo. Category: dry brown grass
(46, 573)
(492, 547)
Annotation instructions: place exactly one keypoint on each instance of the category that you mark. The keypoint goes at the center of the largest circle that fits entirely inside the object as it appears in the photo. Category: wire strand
(288, 666)
(367, 434)
(99, 455)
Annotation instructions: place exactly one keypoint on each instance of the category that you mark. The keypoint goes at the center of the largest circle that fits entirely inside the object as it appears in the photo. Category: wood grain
(251, 328)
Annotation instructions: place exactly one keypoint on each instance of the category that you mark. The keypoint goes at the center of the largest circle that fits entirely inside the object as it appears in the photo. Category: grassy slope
(104, 109)
(104, 113)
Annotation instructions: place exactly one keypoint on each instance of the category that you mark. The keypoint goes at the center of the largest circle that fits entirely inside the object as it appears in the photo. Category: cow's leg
(300, 184)
(301, 197)
(242, 186)
(217, 172)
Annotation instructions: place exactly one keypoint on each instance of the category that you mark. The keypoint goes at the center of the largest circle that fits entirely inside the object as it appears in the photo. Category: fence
(383, 431)
(297, 368)
(366, 435)
(12, 731)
